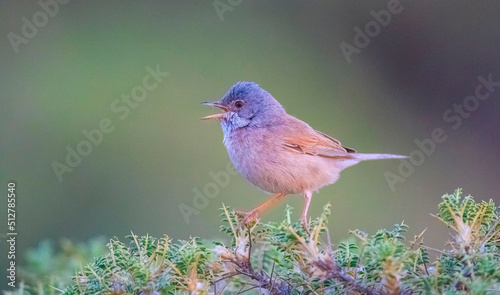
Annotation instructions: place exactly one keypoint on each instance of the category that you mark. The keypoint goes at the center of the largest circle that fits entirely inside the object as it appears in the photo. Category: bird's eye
(239, 104)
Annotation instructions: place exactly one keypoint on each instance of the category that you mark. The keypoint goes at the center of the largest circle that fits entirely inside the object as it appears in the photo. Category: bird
(277, 152)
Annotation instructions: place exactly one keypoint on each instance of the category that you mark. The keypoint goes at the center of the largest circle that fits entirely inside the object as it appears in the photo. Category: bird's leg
(249, 217)
(307, 198)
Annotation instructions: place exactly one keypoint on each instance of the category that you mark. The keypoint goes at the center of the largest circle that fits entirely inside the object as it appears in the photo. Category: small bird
(277, 152)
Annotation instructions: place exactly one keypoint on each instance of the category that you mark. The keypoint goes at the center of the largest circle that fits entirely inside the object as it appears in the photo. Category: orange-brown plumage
(278, 152)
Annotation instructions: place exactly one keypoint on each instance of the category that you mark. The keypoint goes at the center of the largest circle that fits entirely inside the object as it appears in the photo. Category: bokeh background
(394, 91)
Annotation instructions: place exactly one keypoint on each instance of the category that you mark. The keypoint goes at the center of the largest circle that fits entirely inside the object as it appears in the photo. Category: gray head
(247, 105)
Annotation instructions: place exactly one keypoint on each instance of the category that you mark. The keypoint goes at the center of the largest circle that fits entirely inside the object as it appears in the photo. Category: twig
(271, 277)
(249, 248)
(333, 271)
(264, 282)
(434, 249)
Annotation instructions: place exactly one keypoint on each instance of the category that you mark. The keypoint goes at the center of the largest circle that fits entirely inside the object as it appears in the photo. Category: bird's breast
(259, 155)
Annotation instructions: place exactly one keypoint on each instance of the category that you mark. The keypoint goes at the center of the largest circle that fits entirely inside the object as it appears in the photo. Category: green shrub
(290, 258)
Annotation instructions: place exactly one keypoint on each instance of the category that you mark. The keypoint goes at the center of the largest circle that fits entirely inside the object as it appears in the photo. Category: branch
(333, 271)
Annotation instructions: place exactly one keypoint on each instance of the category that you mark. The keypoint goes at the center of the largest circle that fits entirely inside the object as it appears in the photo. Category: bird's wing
(300, 137)
(347, 149)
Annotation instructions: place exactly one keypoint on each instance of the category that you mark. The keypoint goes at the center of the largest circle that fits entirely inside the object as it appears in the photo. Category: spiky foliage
(475, 224)
(50, 267)
(290, 258)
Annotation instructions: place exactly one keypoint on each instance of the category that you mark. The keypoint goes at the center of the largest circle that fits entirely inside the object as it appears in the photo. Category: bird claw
(248, 218)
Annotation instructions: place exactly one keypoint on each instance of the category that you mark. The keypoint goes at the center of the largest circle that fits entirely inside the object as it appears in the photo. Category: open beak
(218, 105)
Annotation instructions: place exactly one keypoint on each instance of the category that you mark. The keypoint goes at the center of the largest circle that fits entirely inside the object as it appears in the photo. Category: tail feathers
(363, 157)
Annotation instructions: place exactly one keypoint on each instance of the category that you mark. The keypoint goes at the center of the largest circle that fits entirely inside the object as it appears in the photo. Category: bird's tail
(363, 157)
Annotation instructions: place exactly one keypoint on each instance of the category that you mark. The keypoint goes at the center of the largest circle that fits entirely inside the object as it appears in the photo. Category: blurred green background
(65, 78)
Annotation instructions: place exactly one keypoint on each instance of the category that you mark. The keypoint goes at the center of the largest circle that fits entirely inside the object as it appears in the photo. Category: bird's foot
(248, 218)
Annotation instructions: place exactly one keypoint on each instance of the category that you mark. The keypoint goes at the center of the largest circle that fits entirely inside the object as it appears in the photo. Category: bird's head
(246, 104)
